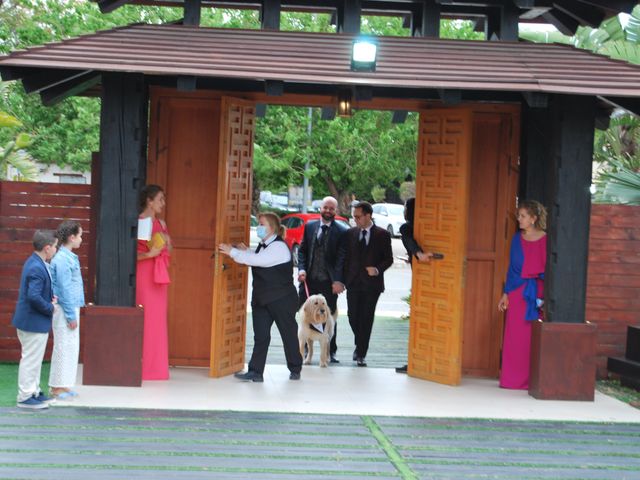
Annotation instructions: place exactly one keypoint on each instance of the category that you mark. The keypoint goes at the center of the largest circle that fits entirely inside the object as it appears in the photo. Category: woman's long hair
(274, 221)
(535, 209)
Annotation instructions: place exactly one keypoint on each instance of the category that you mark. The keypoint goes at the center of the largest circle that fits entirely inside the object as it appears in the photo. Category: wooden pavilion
(498, 120)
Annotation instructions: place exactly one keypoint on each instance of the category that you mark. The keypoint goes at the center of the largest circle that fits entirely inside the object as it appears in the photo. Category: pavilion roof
(315, 59)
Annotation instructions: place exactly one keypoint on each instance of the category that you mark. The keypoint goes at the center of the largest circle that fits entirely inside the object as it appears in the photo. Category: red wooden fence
(613, 290)
(24, 208)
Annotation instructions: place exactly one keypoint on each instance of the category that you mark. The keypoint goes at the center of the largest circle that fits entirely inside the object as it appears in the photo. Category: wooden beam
(107, 6)
(572, 132)
(450, 97)
(509, 17)
(42, 80)
(349, 16)
(274, 88)
(430, 19)
(186, 83)
(60, 91)
(563, 22)
(586, 15)
(631, 105)
(535, 153)
(492, 24)
(625, 6)
(536, 99)
(270, 14)
(192, 12)
(123, 145)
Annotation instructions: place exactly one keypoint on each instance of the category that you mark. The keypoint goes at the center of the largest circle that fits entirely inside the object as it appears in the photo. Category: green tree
(13, 153)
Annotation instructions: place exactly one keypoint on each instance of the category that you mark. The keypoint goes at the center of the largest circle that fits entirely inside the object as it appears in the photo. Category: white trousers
(33, 347)
(66, 347)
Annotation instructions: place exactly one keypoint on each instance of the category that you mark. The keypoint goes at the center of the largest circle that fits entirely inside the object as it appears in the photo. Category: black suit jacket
(334, 255)
(377, 254)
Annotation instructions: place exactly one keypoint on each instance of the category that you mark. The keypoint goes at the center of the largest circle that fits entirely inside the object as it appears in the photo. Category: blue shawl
(515, 279)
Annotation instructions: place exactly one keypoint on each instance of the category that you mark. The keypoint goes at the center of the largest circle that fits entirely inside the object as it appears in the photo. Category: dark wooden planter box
(563, 361)
(112, 346)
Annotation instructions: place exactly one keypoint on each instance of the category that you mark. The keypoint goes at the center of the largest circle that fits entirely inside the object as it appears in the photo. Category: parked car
(389, 216)
(253, 235)
(295, 223)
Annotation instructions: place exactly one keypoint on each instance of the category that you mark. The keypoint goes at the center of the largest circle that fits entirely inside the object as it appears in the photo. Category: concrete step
(633, 343)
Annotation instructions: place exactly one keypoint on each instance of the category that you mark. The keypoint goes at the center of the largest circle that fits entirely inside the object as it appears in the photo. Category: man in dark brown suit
(368, 255)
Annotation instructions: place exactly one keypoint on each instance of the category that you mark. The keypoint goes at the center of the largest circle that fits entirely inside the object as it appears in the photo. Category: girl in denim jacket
(68, 287)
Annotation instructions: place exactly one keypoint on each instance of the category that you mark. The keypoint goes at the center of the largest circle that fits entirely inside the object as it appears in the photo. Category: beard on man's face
(328, 216)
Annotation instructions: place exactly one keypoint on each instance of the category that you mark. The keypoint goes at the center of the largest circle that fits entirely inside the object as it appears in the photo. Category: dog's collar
(318, 327)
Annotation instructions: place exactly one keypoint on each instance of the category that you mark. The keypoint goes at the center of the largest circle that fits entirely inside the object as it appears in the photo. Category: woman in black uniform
(274, 297)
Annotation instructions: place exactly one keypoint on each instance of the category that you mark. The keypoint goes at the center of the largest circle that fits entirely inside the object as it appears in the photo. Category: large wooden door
(493, 184)
(232, 226)
(183, 158)
(442, 193)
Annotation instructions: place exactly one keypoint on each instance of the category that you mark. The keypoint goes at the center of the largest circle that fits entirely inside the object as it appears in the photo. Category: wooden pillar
(349, 16)
(123, 144)
(563, 348)
(509, 17)
(270, 14)
(572, 131)
(425, 21)
(192, 12)
(535, 157)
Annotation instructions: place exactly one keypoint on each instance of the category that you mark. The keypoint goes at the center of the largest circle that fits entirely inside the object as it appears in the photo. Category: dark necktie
(323, 232)
(261, 245)
(363, 240)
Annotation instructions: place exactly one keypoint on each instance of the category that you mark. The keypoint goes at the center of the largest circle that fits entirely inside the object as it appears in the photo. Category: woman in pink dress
(152, 282)
(523, 295)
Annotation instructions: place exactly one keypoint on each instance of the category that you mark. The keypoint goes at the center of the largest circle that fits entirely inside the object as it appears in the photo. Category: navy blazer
(334, 254)
(35, 308)
(377, 254)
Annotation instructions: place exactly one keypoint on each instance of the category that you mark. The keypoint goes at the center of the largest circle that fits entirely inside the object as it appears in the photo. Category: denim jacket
(67, 282)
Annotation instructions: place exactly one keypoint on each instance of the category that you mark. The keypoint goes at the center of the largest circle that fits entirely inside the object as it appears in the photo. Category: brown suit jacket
(377, 254)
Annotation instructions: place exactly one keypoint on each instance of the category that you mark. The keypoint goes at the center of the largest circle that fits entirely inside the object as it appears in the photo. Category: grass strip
(281, 471)
(392, 453)
(117, 453)
(142, 428)
(182, 441)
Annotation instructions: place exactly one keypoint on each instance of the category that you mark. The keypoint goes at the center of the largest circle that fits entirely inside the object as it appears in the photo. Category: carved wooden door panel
(437, 295)
(232, 226)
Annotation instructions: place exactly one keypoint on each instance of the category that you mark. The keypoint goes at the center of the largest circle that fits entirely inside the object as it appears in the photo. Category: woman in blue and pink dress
(523, 293)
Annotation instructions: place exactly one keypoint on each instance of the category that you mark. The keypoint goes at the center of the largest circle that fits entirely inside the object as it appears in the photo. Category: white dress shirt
(273, 253)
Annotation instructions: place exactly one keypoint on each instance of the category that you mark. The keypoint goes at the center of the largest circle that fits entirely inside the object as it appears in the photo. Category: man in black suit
(368, 255)
(321, 261)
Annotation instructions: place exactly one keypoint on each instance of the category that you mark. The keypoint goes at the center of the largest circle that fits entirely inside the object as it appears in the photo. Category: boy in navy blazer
(32, 318)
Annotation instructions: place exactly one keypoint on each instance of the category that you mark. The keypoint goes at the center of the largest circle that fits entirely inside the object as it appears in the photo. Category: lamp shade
(363, 55)
(344, 104)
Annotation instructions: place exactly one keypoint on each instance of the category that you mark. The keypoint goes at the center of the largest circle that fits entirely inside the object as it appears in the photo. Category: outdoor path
(80, 443)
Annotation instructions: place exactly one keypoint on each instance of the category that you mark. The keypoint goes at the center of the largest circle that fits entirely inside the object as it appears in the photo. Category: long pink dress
(152, 282)
(516, 348)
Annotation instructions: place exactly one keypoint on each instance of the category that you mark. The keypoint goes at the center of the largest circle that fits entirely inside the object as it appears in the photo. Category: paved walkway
(80, 443)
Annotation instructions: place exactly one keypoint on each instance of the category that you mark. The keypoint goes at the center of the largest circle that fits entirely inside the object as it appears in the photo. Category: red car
(295, 223)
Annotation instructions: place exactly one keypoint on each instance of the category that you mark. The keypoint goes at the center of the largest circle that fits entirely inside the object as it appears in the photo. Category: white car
(389, 216)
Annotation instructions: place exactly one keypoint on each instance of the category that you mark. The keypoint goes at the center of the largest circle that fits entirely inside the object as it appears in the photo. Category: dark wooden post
(270, 14)
(572, 133)
(535, 153)
(563, 348)
(425, 21)
(349, 16)
(123, 143)
(509, 17)
(192, 12)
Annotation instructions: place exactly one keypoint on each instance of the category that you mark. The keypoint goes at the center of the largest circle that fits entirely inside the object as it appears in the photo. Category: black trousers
(283, 312)
(324, 288)
(362, 309)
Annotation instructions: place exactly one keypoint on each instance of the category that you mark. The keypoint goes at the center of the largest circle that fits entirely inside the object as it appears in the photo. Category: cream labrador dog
(315, 323)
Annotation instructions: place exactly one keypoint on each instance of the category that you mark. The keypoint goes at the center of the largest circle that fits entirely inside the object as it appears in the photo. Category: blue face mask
(261, 231)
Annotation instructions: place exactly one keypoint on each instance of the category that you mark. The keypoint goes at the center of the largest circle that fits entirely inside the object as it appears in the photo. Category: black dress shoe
(334, 360)
(294, 376)
(402, 369)
(249, 376)
(361, 362)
